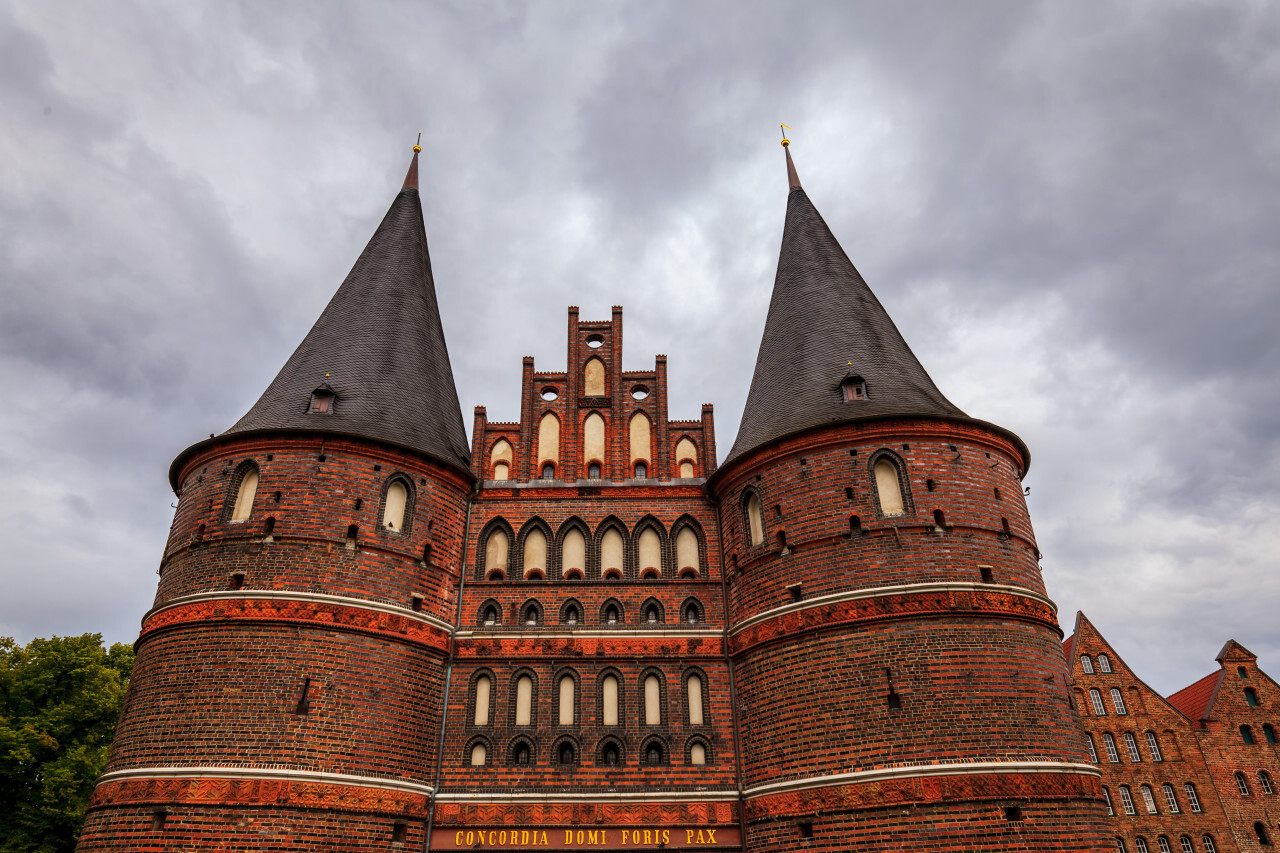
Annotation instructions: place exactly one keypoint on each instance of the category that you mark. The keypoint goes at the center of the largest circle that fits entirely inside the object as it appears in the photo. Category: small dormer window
(853, 388)
(322, 401)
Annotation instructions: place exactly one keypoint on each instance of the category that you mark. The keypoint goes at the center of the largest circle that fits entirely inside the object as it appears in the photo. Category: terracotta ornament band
(601, 812)
(656, 645)
(1056, 783)
(874, 605)
(340, 617)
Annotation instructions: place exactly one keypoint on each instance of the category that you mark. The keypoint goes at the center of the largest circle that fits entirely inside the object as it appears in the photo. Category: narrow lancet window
(755, 519)
(640, 444)
(524, 700)
(573, 555)
(500, 458)
(567, 700)
(611, 547)
(694, 688)
(652, 701)
(481, 717)
(593, 444)
(495, 552)
(888, 488)
(393, 510)
(593, 378)
(687, 551)
(609, 700)
(535, 555)
(245, 494)
(548, 452)
(650, 551)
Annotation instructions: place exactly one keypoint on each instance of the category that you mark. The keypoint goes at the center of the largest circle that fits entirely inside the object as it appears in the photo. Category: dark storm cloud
(1067, 208)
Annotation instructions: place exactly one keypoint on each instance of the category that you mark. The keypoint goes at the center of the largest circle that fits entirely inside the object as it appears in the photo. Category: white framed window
(1193, 799)
(1187, 846)
(1117, 701)
(1093, 752)
(1171, 799)
(1149, 799)
(1153, 746)
(1209, 846)
(1095, 696)
(1163, 845)
(1140, 844)
(1131, 743)
(1264, 781)
(1109, 741)
(1106, 796)
(1242, 784)
(1086, 664)
(1104, 663)
(1120, 848)
(1126, 798)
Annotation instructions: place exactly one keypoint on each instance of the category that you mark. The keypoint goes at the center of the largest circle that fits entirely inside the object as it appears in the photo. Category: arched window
(1170, 798)
(1264, 782)
(652, 701)
(478, 755)
(1117, 701)
(500, 460)
(1153, 746)
(483, 698)
(535, 555)
(611, 551)
(531, 614)
(568, 700)
(640, 444)
(246, 491)
(652, 613)
(490, 614)
(1269, 731)
(1242, 784)
(1104, 663)
(1086, 664)
(1193, 798)
(1120, 846)
(548, 470)
(653, 753)
(1251, 697)
(393, 506)
(755, 518)
(687, 457)
(1093, 752)
(566, 754)
(1126, 799)
(524, 700)
(1106, 796)
(611, 613)
(1260, 830)
(1149, 799)
(693, 691)
(1246, 735)
(609, 700)
(610, 753)
(548, 450)
(889, 487)
(523, 754)
(1140, 845)
(1109, 741)
(593, 444)
(1162, 844)
(687, 552)
(1095, 697)
(697, 753)
(691, 611)
(572, 614)
(495, 554)
(1209, 845)
(573, 555)
(650, 551)
(593, 378)
(1131, 744)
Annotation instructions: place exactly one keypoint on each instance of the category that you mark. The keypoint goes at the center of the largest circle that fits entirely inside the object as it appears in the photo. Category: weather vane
(785, 141)
(417, 146)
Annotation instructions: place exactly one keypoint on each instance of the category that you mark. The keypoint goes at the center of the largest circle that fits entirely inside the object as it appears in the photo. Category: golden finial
(417, 146)
(785, 141)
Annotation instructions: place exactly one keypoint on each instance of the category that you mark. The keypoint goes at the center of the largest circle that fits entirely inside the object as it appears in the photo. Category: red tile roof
(1066, 647)
(1193, 700)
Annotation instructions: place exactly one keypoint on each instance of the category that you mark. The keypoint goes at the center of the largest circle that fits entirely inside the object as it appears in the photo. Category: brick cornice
(601, 647)
(893, 603)
(726, 795)
(923, 785)
(330, 612)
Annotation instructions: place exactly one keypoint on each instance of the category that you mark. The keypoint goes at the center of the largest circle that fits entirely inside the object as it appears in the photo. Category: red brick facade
(1172, 768)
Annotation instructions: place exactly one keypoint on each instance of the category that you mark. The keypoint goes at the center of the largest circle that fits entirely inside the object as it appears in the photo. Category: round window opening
(595, 341)
(639, 392)
(550, 394)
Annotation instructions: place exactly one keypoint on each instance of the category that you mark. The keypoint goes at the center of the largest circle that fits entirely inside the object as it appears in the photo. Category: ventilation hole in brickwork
(988, 455)
(1012, 813)
(304, 701)
(237, 580)
(855, 526)
(781, 539)
(939, 519)
(894, 700)
(804, 461)
(996, 491)
(399, 832)
(359, 502)
(279, 495)
(930, 485)
(796, 591)
(1004, 525)
(199, 534)
(270, 457)
(426, 553)
(322, 457)
(954, 449)
(848, 493)
(853, 452)
(353, 533)
(158, 818)
(377, 467)
(987, 576)
(906, 447)
(417, 602)
(805, 828)
(210, 503)
(777, 510)
(269, 526)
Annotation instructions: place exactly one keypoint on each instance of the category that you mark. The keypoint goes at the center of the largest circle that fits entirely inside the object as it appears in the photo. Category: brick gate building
(575, 630)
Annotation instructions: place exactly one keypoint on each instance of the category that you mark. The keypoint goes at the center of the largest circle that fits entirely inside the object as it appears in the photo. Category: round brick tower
(898, 666)
(289, 678)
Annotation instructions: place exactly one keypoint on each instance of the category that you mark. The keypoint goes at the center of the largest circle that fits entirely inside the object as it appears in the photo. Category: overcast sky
(1070, 209)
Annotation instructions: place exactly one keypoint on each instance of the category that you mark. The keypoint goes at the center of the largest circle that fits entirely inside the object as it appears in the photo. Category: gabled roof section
(1232, 650)
(1194, 699)
(1066, 648)
(380, 347)
(824, 324)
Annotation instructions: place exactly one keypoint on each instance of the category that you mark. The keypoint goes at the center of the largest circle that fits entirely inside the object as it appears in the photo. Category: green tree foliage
(59, 702)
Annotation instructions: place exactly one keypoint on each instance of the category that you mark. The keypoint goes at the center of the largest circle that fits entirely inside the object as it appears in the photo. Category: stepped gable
(380, 347)
(825, 325)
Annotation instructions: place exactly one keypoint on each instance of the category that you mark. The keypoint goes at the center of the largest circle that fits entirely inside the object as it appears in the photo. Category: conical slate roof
(379, 346)
(825, 325)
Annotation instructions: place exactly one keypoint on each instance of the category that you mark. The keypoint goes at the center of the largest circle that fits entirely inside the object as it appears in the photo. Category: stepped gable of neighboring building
(825, 328)
(378, 348)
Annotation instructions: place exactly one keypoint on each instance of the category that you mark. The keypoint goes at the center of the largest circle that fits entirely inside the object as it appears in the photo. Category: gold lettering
(492, 837)
(524, 837)
(502, 836)
(593, 837)
(711, 836)
(647, 838)
(543, 842)
(666, 836)
(471, 838)
(624, 837)
(688, 836)
(457, 839)
(702, 839)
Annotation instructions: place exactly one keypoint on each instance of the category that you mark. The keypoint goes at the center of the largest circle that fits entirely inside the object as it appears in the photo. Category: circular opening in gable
(595, 341)
(550, 394)
(639, 392)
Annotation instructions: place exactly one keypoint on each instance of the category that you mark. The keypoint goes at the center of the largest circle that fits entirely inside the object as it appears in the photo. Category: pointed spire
(793, 179)
(411, 178)
(825, 328)
(377, 353)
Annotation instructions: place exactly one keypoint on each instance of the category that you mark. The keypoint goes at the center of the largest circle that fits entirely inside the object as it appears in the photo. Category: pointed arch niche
(500, 460)
(641, 451)
(686, 458)
(593, 378)
(593, 446)
(548, 443)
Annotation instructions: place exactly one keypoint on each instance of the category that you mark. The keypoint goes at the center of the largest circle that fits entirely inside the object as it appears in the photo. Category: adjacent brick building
(1191, 772)
(576, 631)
